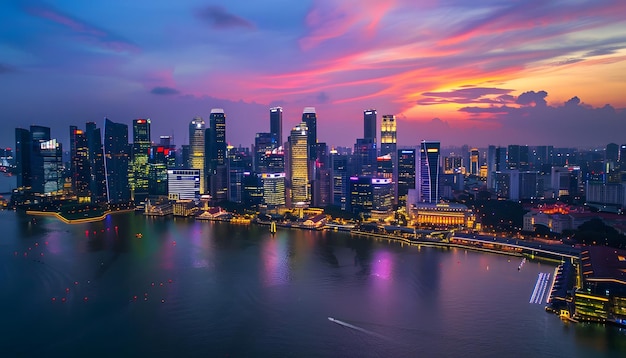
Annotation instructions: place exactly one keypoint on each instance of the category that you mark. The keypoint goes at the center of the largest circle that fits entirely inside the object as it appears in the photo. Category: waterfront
(229, 290)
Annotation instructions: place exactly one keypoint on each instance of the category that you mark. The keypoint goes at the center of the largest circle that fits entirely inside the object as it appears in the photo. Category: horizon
(486, 73)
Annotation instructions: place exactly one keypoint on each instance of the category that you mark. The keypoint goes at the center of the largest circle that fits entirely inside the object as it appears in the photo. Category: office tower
(117, 158)
(474, 161)
(491, 166)
(47, 167)
(382, 195)
(140, 169)
(384, 166)
(97, 185)
(611, 154)
(407, 169)
(369, 124)
(339, 179)
(158, 158)
(276, 124)
(196, 149)
(429, 172)
(273, 189)
(218, 171)
(320, 177)
(239, 163)
(165, 141)
(252, 196)
(543, 158)
(23, 149)
(364, 157)
(183, 184)
(80, 171)
(388, 135)
(309, 118)
(518, 157)
(360, 194)
(264, 144)
(622, 157)
(501, 156)
(298, 162)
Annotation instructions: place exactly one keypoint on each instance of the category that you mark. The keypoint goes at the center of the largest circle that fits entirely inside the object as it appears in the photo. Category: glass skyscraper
(429, 172)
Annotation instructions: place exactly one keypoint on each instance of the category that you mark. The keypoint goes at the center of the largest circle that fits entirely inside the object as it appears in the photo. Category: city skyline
(531, 73)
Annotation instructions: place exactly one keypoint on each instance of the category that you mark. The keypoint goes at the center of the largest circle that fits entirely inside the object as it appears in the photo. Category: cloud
(218, 18)
(532, 98)
(602, 51)
(88, 32)
(467, 95)
(574, 101)
(166, 91)
(322, 97)
(568, 61)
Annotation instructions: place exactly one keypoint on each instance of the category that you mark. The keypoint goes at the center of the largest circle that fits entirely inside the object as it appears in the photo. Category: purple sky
(481, 72)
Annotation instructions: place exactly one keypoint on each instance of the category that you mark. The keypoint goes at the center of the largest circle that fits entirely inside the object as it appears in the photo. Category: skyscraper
(298, 162)
(429, 172)
(23, 149)
(80, 172)
(339, 179)
(97, 185)
(140, 169)
(407, 170)
(369, 124)
(196, 149)
(117, 157)
(218, 173)
(388, 135)
(276, 124)
(474, 161)
(309, 117)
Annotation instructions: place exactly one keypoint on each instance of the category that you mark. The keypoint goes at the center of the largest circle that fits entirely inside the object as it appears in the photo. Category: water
(190, 288)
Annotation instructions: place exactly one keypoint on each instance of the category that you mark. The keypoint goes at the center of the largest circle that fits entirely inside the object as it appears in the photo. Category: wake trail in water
(356, 328)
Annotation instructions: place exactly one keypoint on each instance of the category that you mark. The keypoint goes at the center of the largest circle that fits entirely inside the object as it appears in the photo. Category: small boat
(139, 235)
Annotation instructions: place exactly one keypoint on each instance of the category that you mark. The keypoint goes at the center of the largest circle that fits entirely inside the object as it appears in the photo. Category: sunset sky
(461, 72)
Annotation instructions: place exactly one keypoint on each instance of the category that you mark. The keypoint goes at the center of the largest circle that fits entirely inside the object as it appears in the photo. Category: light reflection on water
(211, 288)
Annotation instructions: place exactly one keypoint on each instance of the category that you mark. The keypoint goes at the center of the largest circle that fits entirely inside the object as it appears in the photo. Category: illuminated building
(339, 179)
(239, 162)
(117, 157)
(79, 164)
(407, 170)
(309, 118)
(140, 169)
(276, 124)
(158, 158)
(382, 195)
(364, 157)
(273, 189)
(264, 144)
(564, 181)
(518, 157)
(97, 185)
(602, 297)
(388, 135)
(196, 149)
(428, 185)
(298, 161)
(183, 184)
(369, 195)
(453, 165)
(252, 195)
(47, 167)
(217, 169)
(23, 149)
(474, 161)
(369, 124)
(442, 215)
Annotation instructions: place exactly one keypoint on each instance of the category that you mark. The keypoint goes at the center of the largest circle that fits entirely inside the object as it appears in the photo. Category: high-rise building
(309, 118)
(407, 170)
(429, 172)
(196, 159)
(298, 161)
(276, 124)
(23, 150)
(273, 189)
(80, 172)
(622, 157)
(117, 158)
(218, 171)
(97, 185)
(369, 124)
(388, 135)
(518, 157)
(140, 169)
(158, 158)
(264, 144)
(183, 184)
(339, 179)
(364, 157)
(474, 161)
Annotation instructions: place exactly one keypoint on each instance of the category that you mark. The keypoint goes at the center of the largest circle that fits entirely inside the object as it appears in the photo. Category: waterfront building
(339, 179)
(298, 161)
(239, 162)
(407, 169)
(253, 190)
(382, 196)
(47, 167)
(276, 124)
(428, 186)
(602, 297)
(97, 185)
(388, 135)
(117, 157)
(80, 174)
(183, 184)
(218, 172)
(158, 158)
(442, 215)
(309, 117)
(273, 189)
(23, 149)
(195, 156)
(140, 169)
(361, 195)
(369, 124)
